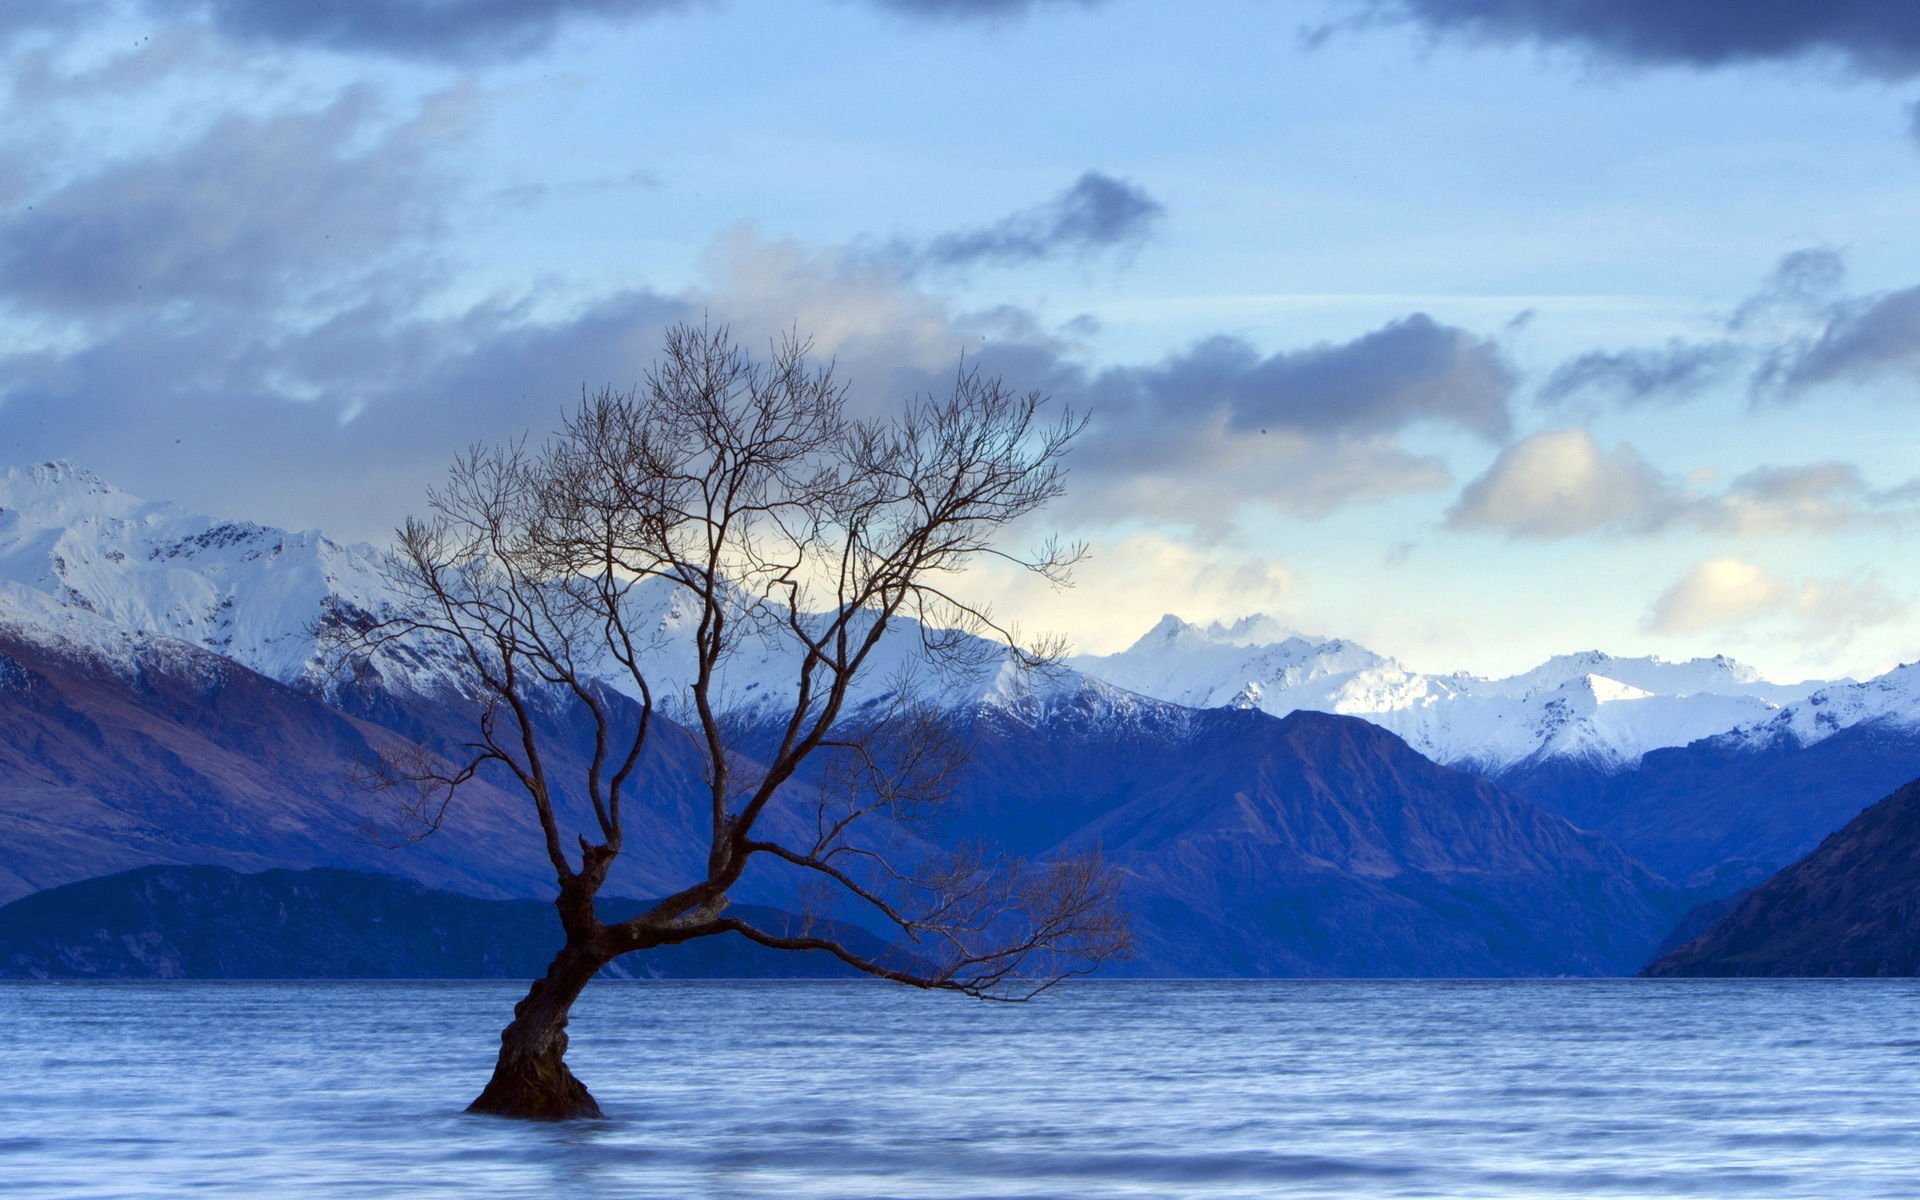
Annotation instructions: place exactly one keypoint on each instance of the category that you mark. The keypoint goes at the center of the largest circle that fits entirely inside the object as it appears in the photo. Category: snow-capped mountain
(1892, 700)
(246, 591)
(1590, 706)
(758, 680)
(91, 565)
(136, 736)
(72, 543)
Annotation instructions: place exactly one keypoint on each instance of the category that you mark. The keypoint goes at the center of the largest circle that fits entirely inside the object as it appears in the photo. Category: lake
(1118, 1089)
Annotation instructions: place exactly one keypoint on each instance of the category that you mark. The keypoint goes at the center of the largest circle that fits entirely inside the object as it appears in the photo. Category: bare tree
(747, 488)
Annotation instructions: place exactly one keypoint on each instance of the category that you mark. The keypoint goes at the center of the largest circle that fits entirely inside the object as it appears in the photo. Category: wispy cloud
(1097, 214)
(1671, 373)
(1861, 340)
(1797, 333)
(239, 214)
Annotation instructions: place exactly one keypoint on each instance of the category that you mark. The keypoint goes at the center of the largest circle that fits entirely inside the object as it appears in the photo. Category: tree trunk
(531, 1079)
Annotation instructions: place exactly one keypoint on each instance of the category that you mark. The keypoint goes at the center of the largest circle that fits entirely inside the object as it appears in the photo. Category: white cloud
(1562, 483)
(1731, 594)
(1717, 593)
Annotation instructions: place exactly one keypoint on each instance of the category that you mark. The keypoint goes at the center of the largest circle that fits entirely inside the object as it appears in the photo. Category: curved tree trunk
(531, 1079)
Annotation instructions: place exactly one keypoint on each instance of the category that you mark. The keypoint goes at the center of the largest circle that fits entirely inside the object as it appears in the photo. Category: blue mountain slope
(1317, 845)
(1727, 812)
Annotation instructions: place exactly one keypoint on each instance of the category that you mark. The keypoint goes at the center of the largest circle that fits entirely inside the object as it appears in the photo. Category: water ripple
(1643, 1089)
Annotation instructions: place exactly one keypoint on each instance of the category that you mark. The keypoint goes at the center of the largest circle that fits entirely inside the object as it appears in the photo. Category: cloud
(453, 31)
(465, 32)
(16, 19)
(963, 10)
(1675, 372)
(1200, 436)
(1560, 484)
(252, 409)
(1731, 593)
(1824, 337)
(1411, 370)
(1803, 283)
(238, 413)
(1795, 333)
(1816, 496)
(241, 213)
(1876, 37)
(1715, 594)
(1194, 439)
(34, 78)
(279, 401)
(1097, 213)
(1862, 340)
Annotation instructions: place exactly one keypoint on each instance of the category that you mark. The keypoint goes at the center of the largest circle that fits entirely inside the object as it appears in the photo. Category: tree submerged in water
(779, 519)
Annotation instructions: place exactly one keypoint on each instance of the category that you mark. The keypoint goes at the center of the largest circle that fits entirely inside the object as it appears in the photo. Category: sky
(1471, 330)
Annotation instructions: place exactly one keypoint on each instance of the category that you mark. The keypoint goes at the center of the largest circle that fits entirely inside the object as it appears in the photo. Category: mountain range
(1850, 908)
(1276, 803)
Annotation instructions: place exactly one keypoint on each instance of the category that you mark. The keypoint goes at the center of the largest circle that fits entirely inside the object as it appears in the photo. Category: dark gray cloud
(459, 31)
(1797, 331)
(1208, 432)
(1411, 370)
(1879, 37)
(1097, 213)
(343, 424)
(1674, 372)
(1804, 282)
(471, 31)
(1861, 341)
(242, 213)
(233, 407)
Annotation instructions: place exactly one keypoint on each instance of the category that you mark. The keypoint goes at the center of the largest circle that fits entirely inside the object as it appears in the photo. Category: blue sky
(1473, 332)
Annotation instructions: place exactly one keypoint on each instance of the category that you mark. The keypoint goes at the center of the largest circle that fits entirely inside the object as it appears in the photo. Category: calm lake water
(1338, 1089)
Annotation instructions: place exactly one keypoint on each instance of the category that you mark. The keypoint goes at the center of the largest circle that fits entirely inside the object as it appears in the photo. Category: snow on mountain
(246, 591)
(97, 565)
(1892, 699)
(71, 543)
(1589, 706)
(83, 636)
(757, 682)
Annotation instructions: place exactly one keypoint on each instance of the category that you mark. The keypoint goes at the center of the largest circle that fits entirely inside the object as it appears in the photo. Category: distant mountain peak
(1892, 699)
(1589, 705)
(253, 593)
(246, 591)
(1255, 629)
(64, 472)
(61, 492)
